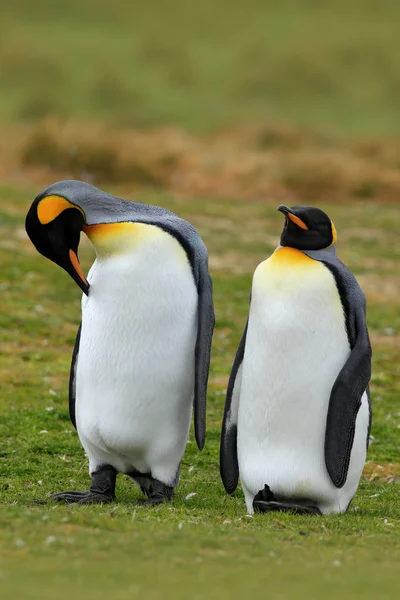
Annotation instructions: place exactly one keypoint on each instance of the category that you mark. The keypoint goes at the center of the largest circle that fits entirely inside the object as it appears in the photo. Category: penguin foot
(156, 491)
(153, 501)
(82, 497)
(102, 489)
(263, 506)
(265, 495)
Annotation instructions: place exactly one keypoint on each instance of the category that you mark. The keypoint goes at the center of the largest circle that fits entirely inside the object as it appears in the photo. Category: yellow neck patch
(285, 270)
(50, 207)
(290, 257)
(118, 238)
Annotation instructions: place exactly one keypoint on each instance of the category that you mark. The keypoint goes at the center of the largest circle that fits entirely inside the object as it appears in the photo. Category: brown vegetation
(386, 473)
(279, 162)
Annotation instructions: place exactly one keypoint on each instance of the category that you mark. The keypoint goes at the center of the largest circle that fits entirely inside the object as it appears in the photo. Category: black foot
(102, 489)
(266, 495)
(299, 509)
(156, 491)
(82, 497)
(153, 501)
(265, 501)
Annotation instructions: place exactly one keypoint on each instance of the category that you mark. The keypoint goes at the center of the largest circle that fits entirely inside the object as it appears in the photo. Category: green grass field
(290, 69)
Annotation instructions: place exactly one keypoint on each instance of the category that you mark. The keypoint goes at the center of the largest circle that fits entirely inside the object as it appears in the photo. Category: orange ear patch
(297, 221)
(51, 207)
(334, 234)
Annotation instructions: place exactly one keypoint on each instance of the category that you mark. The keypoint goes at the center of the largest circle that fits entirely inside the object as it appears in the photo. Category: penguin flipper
(229, 466)
(72, 377)
(345, 401)
(205, 330)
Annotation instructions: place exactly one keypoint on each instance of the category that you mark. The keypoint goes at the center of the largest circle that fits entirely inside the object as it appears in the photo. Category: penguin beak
(75, 270)
(290, 214)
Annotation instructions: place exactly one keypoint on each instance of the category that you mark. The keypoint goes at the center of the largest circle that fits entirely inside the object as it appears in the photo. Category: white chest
(136, 358)
(296, 307)
(296, 345)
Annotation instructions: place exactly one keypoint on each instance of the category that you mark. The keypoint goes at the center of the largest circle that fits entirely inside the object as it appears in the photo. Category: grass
(203, 65)
(201, 546)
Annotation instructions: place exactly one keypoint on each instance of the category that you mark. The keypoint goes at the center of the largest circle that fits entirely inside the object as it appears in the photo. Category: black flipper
(345, 402)
(229, 466)
(353, 380)
(72, 378)
(202, 352)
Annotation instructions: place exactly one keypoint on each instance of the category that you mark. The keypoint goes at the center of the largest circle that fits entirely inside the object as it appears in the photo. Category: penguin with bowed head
(297, 413)
(142, 352)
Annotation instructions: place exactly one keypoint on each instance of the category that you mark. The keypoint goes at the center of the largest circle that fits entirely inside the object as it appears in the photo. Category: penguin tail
(264, 501)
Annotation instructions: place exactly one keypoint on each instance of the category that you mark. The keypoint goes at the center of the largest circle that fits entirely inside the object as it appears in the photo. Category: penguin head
(54, 224)
(307, 228)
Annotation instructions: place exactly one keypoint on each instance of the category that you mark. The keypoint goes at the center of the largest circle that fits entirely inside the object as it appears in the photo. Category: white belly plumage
(296, 345)
(135, 371)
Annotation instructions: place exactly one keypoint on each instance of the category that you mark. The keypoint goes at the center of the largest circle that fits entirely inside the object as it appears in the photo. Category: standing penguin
(142, 352)
(297, 413)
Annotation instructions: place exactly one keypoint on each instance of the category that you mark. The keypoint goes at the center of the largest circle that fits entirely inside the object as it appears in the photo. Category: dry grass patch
(89, 153)
(386, 473)
(253, 162)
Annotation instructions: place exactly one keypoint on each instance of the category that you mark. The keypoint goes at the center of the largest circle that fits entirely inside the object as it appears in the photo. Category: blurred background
(297, 98)
(203, 65)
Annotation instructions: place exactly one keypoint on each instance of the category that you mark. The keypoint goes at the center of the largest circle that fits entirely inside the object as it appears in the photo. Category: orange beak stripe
(76, 264)
(297, 221)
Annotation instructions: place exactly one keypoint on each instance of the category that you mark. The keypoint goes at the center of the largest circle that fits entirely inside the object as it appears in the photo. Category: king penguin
(297, 413)
(142, 352)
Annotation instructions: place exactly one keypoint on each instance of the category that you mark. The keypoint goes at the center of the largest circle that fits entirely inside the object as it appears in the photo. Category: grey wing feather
(203, 352)
(72, 378)
(354, 377)
(229, 466)
(344, 403)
